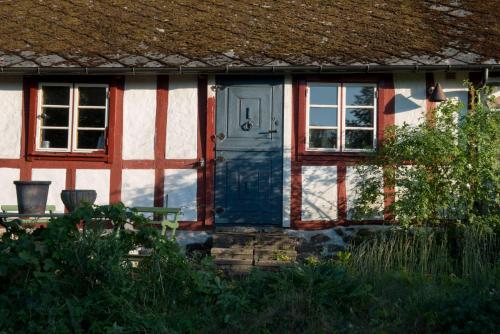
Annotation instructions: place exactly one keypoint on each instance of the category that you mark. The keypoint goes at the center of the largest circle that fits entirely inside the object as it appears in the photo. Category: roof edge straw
(243, 69)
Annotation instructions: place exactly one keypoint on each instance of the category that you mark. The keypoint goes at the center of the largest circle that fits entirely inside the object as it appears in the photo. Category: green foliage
(445, 168)
(65, 280)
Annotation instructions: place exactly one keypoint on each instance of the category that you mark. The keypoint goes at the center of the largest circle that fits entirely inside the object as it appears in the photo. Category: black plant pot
(32, 196)
(74, 199)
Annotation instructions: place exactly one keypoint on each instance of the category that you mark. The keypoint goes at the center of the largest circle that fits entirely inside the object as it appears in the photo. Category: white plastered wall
(139, 117)
(95, 179)
(11, 102)
(7, 178)
(287, 149)
(180, 191)
(410, 98)
(352, 177)
(319, 193)
(58, 184)
(138, 187)
(182, 117)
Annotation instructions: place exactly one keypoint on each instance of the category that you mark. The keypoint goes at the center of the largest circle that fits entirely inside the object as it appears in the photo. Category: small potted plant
(32, 196)
(75, 198)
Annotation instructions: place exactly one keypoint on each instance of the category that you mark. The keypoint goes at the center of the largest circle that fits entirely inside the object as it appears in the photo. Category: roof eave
(244, 69)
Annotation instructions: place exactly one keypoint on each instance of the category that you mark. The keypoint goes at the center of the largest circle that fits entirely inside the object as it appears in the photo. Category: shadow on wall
(405, 103)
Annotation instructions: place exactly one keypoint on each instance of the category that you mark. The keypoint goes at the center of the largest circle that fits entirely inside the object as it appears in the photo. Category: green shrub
(64, 280)
(444, 169)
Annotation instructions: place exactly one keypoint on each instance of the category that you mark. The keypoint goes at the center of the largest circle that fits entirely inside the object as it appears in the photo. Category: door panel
(249, 167)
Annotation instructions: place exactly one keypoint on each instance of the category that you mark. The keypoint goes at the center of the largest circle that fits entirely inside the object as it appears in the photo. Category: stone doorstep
(235, 250)
(234, 261)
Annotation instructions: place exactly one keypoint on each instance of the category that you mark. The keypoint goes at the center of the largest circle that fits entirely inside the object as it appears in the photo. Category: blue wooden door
(249, 152)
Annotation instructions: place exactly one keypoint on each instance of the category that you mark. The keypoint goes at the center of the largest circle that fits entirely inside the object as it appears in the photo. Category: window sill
(329, 156)
(69, 156)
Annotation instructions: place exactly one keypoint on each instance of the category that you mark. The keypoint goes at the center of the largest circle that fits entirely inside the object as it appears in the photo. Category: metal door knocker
(247, 125)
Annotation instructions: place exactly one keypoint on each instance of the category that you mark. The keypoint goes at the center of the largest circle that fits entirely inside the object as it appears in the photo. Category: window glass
(359, 117)
(359, 95)
(54, 138)
(92, 96)
(322, 116)
(56, 95)
(321, 138)
(55, 116)
(93, 118)
(359, 139)
(323, 94)
(91, 139)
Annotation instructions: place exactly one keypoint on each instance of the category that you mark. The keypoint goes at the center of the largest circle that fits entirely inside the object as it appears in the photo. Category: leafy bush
(65, 280)
(445, 168)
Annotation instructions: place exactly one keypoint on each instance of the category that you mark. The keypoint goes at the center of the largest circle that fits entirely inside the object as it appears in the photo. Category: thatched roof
(194, 33)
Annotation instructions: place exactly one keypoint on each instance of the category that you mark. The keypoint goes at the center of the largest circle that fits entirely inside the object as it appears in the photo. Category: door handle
(272, 131)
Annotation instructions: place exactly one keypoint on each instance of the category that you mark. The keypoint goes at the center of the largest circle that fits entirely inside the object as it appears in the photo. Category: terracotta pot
(74, 199)
(32, 196)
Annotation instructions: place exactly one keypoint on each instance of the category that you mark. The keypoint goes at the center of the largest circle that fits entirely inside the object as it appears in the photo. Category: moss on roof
(247, 32)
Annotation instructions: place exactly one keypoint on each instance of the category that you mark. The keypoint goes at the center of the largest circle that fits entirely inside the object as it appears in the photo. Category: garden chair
(165, 222)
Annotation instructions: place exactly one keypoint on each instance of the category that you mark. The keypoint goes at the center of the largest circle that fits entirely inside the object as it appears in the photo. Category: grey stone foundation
(319, 243)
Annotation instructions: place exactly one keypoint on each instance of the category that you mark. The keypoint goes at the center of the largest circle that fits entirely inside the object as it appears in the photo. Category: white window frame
(344, 113)
(76, 111)
(341, 116)
(308, 108)
(39, 117)
(72, 128)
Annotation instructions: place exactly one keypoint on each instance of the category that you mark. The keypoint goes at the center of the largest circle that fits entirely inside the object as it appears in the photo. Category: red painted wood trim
(210, 161)
(70, 178)
(11, 163)
(201, 154)
(161, 164)
(342, 193)
(115, 184)
(301, 120)
(160, 138)
(296, 196)
(387, 115)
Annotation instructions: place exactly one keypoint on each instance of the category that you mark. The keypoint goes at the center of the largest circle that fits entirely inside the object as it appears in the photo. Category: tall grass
(470, 252)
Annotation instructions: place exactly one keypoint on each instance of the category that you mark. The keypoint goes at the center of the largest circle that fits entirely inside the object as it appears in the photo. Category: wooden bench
(15, 208)
(165, 222)
(35, 220)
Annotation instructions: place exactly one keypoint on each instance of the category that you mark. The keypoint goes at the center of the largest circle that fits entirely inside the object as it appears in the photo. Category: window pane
(55, 116)
(359, 117)
(92, 96)
(359, 95)
(91, 139)
(92, 118)
(52, 138)
(319, 138)
(55, 95)
(323, 94)
(359, 139)
(323, 116)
